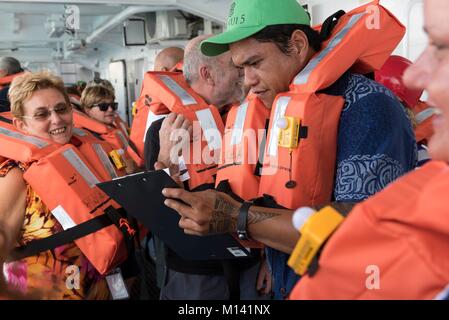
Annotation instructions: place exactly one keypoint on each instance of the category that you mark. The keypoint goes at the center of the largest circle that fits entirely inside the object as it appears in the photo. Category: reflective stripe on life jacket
(392, 246)
(96, 152)
(174, 94)
(73, 198)
(303, 174)
(423, 116)
(19, 146)
(244, 133)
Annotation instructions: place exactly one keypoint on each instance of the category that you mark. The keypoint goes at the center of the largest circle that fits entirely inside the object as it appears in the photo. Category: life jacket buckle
(124, 223)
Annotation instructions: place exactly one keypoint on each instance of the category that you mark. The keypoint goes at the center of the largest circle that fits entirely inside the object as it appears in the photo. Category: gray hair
(193, 59)
(10, 65)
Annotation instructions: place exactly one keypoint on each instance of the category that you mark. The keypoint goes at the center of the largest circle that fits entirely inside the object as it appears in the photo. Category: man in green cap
(272, 41)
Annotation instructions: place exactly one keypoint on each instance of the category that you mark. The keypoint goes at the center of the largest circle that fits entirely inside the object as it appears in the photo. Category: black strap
(34, 247)
(258, 169)
(242, 220)
(329, 25)
(2, 118)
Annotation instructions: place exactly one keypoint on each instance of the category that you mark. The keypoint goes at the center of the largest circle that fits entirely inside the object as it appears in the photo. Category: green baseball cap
(247, 17)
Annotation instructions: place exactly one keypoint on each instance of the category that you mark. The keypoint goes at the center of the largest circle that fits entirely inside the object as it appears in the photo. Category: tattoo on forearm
(255, 216)
(224, 218)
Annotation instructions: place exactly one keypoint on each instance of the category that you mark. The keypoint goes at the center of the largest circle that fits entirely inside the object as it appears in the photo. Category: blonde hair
(95, 94)
(24, 86)
(101, 82)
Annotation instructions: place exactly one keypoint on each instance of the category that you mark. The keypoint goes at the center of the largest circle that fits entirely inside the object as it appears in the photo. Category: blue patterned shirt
(376, 145)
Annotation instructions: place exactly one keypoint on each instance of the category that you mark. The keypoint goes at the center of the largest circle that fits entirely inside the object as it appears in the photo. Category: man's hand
(205, 212)
(174, 172)
(175, 132)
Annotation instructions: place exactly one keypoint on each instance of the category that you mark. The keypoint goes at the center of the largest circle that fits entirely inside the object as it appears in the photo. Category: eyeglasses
(44, 113)
(105, 106)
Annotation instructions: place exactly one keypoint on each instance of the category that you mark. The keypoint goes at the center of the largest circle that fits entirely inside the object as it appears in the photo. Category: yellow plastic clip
(314, 232)
(117, 159)
(289, 132)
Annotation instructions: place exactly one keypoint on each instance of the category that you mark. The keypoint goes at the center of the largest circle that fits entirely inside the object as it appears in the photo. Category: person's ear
(20, 125)
(300, 44)
(206, 75)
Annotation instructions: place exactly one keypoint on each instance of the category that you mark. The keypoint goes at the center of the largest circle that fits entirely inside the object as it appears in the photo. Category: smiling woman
(41, 109)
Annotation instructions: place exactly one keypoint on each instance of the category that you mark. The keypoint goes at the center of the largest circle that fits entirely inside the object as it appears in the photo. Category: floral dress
(60, 273)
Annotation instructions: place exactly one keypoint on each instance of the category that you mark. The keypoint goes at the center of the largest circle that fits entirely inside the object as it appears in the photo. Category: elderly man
(272, 41)
(9, 69)
(218, 82)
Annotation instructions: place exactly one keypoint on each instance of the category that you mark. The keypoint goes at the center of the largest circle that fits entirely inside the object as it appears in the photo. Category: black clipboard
(140, 195)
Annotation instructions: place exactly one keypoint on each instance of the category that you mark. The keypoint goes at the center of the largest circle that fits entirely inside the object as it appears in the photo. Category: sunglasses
(44, 113)
(105, 106)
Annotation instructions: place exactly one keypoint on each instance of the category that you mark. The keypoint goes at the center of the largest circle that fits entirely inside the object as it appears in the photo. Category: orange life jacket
(34, 148)
(423, 116)
(148, 110)
(117, 136)
(6, 80)
(174, 94)
(73, 198)
(304, 174)
(72, 195)
(391, 246)
(96, 151)
(245, 131)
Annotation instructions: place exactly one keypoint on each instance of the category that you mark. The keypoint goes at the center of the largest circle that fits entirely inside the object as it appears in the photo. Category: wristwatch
(242, 220)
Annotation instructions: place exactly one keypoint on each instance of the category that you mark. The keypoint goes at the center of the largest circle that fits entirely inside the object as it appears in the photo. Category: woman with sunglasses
(41, 109)
(98, 105)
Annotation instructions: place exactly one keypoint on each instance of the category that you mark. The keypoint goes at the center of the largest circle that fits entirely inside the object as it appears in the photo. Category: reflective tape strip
(28, 139)
(304, 75)
(425, 114)
(209, 128)
(281, 108)
(150, 119)
(104, 160)
(81, 167)
(185, 97)
(63, 217)
(237, 130)
(79, 132)
(122, 139)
